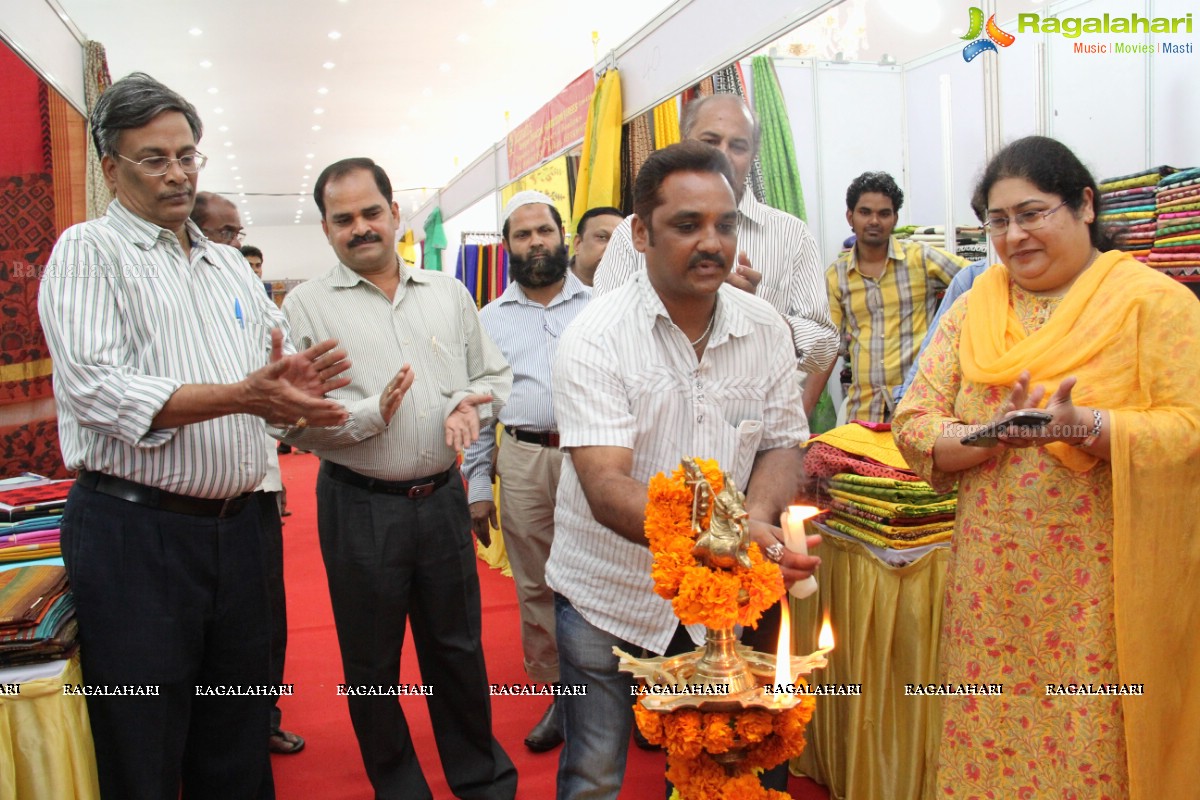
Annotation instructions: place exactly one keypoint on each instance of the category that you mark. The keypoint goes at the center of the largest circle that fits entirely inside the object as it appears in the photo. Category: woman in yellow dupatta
(1076, 551)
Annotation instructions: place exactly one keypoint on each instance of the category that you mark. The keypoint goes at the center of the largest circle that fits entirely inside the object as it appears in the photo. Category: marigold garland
(699, 595)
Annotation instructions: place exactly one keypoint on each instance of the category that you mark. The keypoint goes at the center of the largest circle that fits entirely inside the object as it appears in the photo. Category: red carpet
(329, 768)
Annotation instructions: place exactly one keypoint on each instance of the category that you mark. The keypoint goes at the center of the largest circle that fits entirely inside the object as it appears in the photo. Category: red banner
(555, 126)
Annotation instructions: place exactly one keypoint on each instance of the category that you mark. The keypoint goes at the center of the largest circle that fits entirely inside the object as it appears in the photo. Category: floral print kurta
(1029, 597)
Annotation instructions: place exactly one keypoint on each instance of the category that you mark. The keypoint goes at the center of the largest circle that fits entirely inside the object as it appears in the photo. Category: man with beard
(168, 356)
(882, 294)
(673, 363)
(525, 323)
(392, 513)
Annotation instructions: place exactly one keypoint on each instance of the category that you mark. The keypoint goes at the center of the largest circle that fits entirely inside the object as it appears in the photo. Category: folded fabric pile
(30, 513)
(1128, 209)
(971, 242)
(37, 616)
(1176, 249)
(871, 493)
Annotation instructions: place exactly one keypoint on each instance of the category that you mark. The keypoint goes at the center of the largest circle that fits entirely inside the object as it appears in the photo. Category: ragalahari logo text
(995, 36)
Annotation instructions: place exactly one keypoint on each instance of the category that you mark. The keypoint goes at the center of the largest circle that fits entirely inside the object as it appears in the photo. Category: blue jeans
(596, 727)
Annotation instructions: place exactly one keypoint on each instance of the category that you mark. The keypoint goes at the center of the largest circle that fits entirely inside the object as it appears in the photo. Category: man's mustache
(366, 238)
(716, 258)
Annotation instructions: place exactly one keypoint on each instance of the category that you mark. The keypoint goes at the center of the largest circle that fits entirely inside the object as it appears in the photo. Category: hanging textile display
(95, 80)
(666, 123)
(435, 241)
(599, 182)
(407, 248)
(637, 143)
(482, 266)
(777, 150)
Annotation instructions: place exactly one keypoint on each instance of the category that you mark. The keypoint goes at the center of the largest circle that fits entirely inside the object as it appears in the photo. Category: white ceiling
(421, 87)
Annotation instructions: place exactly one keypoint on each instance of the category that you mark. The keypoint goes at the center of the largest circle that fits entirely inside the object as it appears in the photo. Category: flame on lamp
(783, 654)
(825, 638)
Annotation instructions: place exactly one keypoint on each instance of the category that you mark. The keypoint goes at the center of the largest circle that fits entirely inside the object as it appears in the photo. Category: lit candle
(825, 637)
(792, 523)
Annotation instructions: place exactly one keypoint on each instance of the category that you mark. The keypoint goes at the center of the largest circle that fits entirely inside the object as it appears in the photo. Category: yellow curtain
(666, 123)
(886, 623)
(599, 181)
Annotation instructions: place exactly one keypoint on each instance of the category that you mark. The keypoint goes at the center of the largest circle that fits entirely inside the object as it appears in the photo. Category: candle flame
(783, 654)
(825, 639)
(797, 514)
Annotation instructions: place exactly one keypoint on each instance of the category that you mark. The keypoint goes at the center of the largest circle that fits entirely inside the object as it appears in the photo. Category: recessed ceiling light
(234, 168)
(229, 144)
(316, 127)
(463, 38)
(212, 90)
(218, 110)
(309, 155)
(243, 201)
(223, 128)
(296, 221)
(299, 199)
(329, 65)
(322, 90)
(241, 194)
(334, 35)
(427, 92)
(308, 166)
(444, 67)
(318, 110)
(195, 31)
(206, 63)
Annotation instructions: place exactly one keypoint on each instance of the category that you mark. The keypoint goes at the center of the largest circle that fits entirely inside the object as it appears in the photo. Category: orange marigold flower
(718, 733)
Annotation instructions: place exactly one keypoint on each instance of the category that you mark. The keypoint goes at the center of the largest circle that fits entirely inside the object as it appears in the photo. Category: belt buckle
(227, 505)
(424, 490)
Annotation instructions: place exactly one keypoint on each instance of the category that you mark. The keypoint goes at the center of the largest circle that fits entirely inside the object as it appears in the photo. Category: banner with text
(554, 127)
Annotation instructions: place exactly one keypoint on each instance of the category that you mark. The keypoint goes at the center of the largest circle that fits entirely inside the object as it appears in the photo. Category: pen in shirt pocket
(237, 313)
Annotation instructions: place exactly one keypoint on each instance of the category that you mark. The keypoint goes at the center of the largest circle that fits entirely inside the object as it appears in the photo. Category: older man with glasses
(218, 219)
(168, 357)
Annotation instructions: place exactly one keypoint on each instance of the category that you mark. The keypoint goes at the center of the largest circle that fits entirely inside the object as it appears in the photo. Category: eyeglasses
(1026, 221)
(160, 165)
(225, 235)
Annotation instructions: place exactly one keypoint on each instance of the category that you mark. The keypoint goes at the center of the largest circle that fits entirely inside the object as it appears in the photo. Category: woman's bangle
(1094, 434)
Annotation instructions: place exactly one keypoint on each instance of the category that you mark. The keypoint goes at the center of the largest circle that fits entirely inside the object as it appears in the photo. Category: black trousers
(175, 602)
(272, 549)
(389, 560)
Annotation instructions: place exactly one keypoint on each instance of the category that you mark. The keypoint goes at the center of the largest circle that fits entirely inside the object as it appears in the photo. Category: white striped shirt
(779, 246)
(129, 319)
(626, 376)
(432, 324)
(527, 333)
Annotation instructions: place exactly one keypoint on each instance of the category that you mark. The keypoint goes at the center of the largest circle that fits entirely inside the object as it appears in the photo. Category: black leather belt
(421, 487)
(161, 499)
(544, 438)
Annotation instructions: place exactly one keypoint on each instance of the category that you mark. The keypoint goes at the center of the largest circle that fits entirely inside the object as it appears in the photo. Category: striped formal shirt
(779, 246)
(626, 376)
(130, 318)
(431, 323)
(886, 318)
(527, 333)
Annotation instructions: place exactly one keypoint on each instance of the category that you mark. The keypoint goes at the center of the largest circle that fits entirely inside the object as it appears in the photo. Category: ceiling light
(329, 65)
(206, 63)
(230, 155)
(322, 90)
(212, 90)
(223, 128)
(427, 92)
(299, 199)
(296, 221)
(463, 38)
(318, 111)
(235, 168)
(241, 194)
(310, 155)
(229, 144)
(316, 127)
(218, 110)
(243, 201)
(308, 166)
(444, 67)
(195, 31)
(334, 35)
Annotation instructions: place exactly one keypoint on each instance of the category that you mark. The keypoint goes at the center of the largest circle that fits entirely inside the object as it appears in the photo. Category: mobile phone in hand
(990, 436)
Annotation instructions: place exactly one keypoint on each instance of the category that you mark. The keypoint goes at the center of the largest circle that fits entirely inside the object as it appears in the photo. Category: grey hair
(131, 103)
(692, 110)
